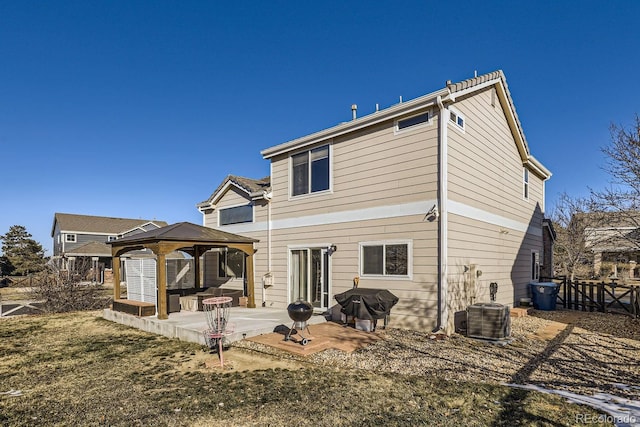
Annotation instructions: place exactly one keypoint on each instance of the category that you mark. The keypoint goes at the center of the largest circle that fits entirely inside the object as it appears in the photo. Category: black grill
(367, 303)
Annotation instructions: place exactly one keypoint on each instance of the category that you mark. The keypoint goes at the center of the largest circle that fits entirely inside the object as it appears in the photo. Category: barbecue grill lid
(300, 311)
(377, 302)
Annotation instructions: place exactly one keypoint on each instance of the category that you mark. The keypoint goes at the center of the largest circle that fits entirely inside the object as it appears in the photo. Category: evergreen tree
(23, 253)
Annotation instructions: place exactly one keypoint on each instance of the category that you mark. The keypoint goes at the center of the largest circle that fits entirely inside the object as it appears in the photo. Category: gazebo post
(251, 302)
(196, 266)
(116, 277)
(161, 278)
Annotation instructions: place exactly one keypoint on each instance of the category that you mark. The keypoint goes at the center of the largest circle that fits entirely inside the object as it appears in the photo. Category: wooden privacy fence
(599, 296)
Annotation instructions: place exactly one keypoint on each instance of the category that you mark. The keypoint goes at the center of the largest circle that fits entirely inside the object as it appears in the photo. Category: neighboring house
(614, 240)
(83, 238)
(433, 199)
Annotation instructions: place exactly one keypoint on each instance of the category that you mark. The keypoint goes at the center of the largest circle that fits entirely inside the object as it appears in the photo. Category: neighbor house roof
(253, 187)
(446, 96)
(89, 224)
(91, 249)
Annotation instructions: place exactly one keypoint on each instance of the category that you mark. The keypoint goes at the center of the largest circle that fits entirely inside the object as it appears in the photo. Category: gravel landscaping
(593, 352)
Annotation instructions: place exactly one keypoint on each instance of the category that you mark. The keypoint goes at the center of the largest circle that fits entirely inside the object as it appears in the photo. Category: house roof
(248, 185)
(614, 219)
(183, 232)
(447, 96)
(98, 224)
(91, 249)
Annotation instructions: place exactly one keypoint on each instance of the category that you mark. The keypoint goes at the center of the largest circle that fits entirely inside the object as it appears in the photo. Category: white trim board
(470, 212)
(381, 212)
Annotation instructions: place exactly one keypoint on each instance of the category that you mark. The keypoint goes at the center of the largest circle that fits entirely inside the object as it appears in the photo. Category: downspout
(443, 223)
(267, 197)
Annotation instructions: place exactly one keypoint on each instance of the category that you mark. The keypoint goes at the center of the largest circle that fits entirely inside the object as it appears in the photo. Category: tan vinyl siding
(486, 173)
(485, 168)
(210, 219)
(260, 211)
(232, 197)
(369, 168)
(502, 255)
(418, 295)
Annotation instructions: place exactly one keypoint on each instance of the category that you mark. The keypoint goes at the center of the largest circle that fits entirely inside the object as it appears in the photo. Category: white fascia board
(355, 125)
(516, 131)
(475, 88)
(538, 168)
(217, 196)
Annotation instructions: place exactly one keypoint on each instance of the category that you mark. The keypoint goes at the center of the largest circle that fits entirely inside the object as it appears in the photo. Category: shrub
(61, 292)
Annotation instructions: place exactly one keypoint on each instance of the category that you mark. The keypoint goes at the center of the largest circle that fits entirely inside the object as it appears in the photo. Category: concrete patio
(189, 325)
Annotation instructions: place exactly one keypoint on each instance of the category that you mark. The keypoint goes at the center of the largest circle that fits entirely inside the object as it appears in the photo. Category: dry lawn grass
(78, 369)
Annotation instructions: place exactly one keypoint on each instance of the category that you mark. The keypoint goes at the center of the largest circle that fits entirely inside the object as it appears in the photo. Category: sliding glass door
(309, 280)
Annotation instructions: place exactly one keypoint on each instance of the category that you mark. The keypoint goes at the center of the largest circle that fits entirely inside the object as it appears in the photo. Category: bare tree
(619, 203)
(60, 291)
(574, 225)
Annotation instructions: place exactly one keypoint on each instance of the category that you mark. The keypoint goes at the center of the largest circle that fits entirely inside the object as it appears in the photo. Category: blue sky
(139, 109)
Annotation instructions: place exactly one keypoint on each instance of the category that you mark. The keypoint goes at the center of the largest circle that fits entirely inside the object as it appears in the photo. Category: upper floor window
(413, 121)
(385, 259)
(70, 238)
(310, 171)
(525, 183)
(112, 238)
(236, 215)
(456, 118)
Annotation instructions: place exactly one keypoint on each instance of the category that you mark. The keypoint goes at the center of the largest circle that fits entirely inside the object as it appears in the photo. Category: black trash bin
(544, 295)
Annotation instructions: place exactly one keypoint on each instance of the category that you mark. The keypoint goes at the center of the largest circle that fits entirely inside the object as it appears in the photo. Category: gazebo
(186, 237)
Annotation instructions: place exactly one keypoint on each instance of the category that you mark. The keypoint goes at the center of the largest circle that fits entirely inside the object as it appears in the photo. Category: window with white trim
(390, 259)
(235, 215)
(112, 238)
(456, 118)
(421, 119)
(231, 263)
(525, 183)
(310, 171)
(71, 238)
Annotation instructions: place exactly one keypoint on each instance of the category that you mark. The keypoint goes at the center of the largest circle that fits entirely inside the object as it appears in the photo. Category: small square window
(456, 118)
(70, 238)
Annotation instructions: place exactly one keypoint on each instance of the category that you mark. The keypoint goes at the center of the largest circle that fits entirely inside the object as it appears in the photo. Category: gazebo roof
(183, 232)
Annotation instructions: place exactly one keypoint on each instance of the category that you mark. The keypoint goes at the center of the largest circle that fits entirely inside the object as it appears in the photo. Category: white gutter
(397, 110)
(443, 232)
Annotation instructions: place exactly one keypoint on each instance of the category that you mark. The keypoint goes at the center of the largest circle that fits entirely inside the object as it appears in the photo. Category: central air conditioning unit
(488, 321)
